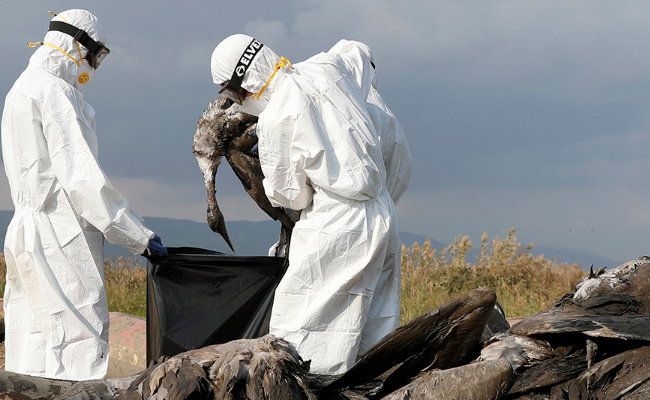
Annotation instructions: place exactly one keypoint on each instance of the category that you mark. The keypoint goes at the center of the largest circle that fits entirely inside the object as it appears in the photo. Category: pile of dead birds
(593, 343)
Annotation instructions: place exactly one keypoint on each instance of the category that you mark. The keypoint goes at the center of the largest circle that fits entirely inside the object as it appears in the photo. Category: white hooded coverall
(56, 313)
(320, 153)
(398, 163)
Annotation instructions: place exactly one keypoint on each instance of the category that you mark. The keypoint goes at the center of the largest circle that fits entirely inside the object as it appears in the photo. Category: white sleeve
(91, 194)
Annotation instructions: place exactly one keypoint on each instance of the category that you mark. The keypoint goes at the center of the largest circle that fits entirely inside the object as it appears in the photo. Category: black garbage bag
(198, 297)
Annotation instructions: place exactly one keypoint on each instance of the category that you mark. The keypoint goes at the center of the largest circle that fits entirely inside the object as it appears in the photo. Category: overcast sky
(525, 114)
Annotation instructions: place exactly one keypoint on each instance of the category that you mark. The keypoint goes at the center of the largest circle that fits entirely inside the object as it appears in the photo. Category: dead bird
(623, 376)
(20, 386)
(269, 368)
(604, 317)
(580, 347)
(446, 337)
(224, 131)
(489, 377)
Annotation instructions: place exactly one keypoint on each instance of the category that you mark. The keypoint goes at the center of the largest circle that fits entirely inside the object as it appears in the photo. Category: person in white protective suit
(398, 164)
(320, 153)
(56, 313)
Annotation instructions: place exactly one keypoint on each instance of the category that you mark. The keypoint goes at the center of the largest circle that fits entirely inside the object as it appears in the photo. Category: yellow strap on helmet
(283, 62)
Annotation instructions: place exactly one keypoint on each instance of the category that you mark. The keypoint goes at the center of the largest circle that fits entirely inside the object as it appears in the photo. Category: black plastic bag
(198, 297)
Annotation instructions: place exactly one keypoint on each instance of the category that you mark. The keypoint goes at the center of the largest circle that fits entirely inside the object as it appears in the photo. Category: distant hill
(255, 238)
(572, 256)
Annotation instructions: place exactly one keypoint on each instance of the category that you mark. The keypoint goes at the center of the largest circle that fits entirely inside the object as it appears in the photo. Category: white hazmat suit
(320, 153)
(394, 147)
(398, 163)
(56, 313)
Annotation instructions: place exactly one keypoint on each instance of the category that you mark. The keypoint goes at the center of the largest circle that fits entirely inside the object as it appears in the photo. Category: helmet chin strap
(283, 62)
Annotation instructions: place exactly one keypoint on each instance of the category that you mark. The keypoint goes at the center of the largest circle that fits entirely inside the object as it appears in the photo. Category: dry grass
(524, 284)
(126, 286)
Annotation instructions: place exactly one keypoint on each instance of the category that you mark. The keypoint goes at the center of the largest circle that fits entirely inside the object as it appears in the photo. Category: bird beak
(215, 218)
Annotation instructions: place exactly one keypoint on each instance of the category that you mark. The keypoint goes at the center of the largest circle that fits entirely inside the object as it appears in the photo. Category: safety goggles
(96, 50)
(94, 60)
(232, 88)
(238, 95)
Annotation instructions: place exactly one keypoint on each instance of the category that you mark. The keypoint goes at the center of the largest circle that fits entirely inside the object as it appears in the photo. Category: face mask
(85, 74)
(252, 106)
(255, 104)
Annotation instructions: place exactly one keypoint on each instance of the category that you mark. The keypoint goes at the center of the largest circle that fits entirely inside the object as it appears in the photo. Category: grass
(524, 284)
(126, 286)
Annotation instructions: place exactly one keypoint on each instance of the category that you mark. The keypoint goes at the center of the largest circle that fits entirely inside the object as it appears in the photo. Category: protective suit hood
(224, 60)
(363, 64)
(60, 65)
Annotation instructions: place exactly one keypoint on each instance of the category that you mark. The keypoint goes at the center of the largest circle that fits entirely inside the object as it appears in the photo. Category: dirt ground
(2, 355)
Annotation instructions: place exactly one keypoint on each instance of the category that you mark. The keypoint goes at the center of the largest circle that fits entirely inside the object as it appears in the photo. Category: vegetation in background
(126, 286)
(524, 284)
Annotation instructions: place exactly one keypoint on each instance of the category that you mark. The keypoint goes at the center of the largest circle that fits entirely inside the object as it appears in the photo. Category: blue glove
(254, 134)
(155, 248)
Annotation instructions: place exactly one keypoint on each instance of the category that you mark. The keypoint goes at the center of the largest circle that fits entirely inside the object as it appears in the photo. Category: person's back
(394, 147)
(345, 231)
(339, 137)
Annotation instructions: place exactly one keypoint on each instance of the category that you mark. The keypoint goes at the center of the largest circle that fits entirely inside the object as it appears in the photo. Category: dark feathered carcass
(224, 131)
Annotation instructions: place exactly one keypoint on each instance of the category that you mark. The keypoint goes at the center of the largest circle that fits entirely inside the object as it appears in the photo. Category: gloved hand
(253, 133)
(155, 248)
